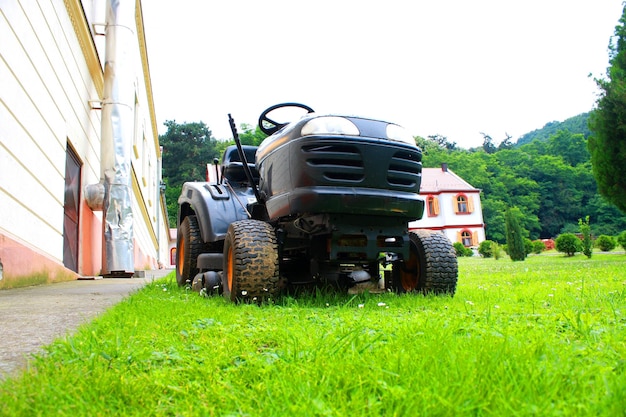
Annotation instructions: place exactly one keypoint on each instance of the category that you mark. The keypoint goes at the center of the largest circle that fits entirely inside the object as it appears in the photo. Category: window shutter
(455, 204)
(459, 237)
(474, 238)
(436, 206)
(470, 204)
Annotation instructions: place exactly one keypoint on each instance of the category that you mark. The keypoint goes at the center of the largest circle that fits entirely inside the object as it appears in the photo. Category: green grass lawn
(546, 337)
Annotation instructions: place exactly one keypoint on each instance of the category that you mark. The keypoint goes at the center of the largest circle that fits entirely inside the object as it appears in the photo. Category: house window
(432, 204)
(463, 204)
(466, 238)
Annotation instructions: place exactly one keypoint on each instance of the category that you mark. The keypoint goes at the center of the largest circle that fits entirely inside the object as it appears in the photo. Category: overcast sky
(450, 67)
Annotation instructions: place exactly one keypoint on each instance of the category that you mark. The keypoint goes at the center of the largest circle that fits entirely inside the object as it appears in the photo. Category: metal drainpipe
(117, 136)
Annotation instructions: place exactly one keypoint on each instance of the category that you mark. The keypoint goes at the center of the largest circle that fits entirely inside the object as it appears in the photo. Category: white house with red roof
(452, 206)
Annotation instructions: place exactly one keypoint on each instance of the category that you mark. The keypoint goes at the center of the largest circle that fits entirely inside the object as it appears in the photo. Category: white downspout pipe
(117, 137)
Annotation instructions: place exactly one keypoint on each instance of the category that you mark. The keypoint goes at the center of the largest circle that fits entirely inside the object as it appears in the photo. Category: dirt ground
(32, 317)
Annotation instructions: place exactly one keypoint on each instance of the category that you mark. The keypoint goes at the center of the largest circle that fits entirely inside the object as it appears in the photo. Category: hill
(576, 124)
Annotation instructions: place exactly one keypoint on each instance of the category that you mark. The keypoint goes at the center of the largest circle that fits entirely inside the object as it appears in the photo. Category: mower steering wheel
(269, 126)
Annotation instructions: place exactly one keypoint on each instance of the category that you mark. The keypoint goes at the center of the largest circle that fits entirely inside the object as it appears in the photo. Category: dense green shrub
(528, 246)
(569, 244)
(497, 250)
(485, 249)
(621, 239)
(538, 246)
(605, 243)
(461, 250)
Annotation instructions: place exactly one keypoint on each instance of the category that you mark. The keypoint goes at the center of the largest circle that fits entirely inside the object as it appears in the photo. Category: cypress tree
(607, 144)
(514, 237)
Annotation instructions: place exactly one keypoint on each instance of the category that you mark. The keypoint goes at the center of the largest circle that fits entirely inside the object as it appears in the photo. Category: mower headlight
(330, 125)
(399, 134)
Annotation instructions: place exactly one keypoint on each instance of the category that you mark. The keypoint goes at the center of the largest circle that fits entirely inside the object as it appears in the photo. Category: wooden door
(71, 210)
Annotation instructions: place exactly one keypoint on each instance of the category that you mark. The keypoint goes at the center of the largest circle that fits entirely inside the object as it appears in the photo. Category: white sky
(449, 67)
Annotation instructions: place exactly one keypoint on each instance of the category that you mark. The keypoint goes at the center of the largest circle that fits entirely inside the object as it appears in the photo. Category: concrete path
(32, 317)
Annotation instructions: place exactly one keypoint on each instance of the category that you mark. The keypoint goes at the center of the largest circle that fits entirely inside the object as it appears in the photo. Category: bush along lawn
(546, 336)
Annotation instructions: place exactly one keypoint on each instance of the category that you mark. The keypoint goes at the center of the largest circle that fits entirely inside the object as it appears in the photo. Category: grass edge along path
(541, 337)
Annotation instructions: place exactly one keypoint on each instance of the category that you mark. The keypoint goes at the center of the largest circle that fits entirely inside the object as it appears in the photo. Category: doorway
(71, 210)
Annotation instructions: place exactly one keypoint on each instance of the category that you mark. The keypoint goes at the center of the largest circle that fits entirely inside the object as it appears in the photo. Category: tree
(576, 124)
(493, 213)
(506, 142)
(485, 249)
(442, 142)
(528, 246)
(568, 243)
(488, 145)
(571, 147)
(562, 198)
(605, 243)
(607, 144)
(461, 250)
(621, 239)
(187, 148)
(608, 220)
(514, 236)
(585, 230)
(250, 135)
(538, 246)
(171, 203)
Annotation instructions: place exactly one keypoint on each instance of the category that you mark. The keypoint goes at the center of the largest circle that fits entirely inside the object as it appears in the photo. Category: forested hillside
(549, 179)
(576, 124)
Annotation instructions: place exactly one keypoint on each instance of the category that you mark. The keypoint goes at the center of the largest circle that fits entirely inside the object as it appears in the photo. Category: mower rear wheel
(431, 268)
(188, 246)
(251, 271)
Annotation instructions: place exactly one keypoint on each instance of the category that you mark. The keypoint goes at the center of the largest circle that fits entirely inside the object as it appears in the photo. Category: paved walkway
(32, 317)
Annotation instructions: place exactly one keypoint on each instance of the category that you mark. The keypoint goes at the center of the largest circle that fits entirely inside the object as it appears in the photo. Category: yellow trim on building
(81, 28)
(146, 73)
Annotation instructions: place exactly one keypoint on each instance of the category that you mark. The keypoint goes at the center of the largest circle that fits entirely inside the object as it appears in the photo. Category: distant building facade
(452, 207)
(51, 98)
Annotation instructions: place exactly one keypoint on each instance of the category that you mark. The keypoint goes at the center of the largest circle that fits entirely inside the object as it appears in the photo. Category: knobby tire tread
(441, 266)
(255, 256)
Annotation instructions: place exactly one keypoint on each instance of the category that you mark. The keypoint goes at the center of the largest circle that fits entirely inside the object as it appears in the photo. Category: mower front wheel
(188, 246)
(431, 268)
(251, 271)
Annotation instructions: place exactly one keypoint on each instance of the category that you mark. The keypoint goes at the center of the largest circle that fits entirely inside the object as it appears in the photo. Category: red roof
(437, 180)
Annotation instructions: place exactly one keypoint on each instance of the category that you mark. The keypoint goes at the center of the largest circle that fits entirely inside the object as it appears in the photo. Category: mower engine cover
(340, 164)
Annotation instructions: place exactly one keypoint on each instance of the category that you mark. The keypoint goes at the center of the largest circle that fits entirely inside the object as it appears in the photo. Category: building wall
(446, 219)
(45, 86)
(51, 83)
